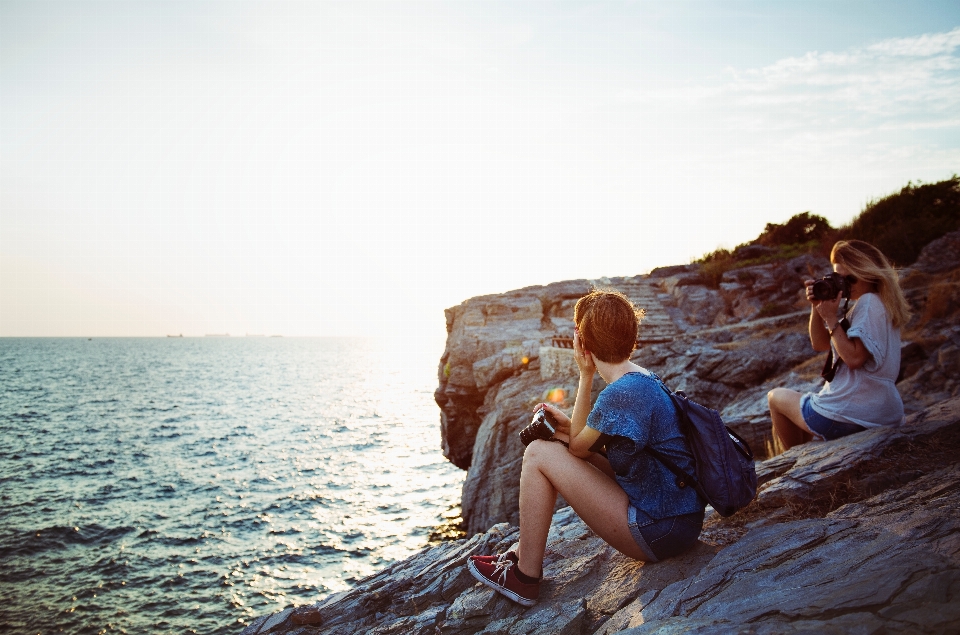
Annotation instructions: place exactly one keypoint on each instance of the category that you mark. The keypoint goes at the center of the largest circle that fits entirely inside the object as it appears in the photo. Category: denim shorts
(825, 429)
(664, 538)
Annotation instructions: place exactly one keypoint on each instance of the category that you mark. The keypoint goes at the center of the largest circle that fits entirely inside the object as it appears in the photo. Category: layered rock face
(855, 535)
(889, 563)
(726, 347)
(489, 337)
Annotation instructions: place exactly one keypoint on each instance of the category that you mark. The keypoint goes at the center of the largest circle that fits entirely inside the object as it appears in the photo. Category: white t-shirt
(866, 396)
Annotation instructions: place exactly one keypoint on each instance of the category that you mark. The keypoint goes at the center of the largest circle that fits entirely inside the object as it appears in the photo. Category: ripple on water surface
(179, 485)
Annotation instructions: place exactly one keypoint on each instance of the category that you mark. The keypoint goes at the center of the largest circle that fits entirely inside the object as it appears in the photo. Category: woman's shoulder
(639, 377)
(626, 406)
(871, 305)
(639, 381)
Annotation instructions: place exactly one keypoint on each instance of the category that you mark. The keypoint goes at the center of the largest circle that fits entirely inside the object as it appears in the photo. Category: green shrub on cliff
(717, 263)
(900, 225)
(714, 265)
(801, 229)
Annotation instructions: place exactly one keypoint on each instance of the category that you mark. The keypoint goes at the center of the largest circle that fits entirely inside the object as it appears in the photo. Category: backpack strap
(600, 445)
(830, 367)
(684, 479)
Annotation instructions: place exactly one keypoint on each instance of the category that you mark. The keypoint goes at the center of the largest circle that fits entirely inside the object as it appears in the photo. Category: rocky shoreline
(855, 535)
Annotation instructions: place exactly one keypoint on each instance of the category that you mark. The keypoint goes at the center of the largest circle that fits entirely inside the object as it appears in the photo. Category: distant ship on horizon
(181, 335)
(217, 335)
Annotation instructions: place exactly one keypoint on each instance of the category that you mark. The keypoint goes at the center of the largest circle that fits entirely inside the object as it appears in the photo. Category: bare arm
(582, 437)
(579, 444)
(823, 320)
(819, 337)
(574, 429)
(851, 350)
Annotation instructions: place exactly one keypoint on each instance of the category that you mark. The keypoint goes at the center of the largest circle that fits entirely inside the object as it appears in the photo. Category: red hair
(608, 323)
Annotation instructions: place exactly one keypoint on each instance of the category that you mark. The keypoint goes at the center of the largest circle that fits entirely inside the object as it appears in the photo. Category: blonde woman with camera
(864, 341)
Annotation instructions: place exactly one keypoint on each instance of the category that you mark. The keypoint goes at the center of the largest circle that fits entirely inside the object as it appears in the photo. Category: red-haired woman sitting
(629, 498)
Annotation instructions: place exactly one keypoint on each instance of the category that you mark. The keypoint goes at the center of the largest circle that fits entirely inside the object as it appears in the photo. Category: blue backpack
(724, 475)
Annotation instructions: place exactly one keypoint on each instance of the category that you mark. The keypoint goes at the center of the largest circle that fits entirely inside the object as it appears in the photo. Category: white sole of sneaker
(519, 599)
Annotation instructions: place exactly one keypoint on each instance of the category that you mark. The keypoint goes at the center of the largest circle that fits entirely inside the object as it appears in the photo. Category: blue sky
(354, 168)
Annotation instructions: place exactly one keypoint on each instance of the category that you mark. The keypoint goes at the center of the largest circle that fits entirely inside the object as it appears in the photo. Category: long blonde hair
(868, 263)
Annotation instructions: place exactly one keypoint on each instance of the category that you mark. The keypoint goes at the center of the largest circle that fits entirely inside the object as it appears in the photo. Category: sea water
(190, 484)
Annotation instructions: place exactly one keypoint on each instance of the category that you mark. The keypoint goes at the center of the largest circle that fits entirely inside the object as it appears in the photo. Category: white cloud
(922, 46)
(910, 81)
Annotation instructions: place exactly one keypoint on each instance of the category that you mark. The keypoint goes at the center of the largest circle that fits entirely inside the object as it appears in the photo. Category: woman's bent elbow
(576, 449)
(580, 454)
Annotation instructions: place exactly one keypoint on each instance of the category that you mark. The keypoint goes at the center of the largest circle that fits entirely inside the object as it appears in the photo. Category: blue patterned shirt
(636, 412)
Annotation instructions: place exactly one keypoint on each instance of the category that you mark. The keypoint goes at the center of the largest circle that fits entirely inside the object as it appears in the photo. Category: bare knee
(539, 451)
(775, 397)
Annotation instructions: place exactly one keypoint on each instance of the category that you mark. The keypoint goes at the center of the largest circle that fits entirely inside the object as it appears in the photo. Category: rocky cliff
(726, 347)
(859, 534)
(855, 535)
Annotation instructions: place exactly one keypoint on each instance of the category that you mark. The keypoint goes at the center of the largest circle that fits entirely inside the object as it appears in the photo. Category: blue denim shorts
(664, 538)
(825, 429)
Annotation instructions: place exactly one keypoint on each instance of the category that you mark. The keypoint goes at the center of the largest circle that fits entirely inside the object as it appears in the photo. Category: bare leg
(601, 463)
(548, 468)
(597, 460)
(789, 428)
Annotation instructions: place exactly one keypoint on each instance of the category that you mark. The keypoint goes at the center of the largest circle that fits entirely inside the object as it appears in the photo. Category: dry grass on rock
(898, 464)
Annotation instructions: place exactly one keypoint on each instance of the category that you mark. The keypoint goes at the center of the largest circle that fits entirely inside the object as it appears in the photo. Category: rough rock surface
(941, 255)
(726, 349)
(882, 555)
(586, 581)
(894, 567)
(488, 339)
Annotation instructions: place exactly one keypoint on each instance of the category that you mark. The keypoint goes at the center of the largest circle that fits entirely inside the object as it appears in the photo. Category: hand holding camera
(827, 287)
(825, 294)
(543, 426)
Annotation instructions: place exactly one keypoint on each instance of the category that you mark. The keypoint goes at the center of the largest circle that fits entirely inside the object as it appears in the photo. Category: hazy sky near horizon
(353, 168)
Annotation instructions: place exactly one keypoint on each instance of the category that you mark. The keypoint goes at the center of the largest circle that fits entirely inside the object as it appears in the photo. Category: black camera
(827, 287)
(543, 426)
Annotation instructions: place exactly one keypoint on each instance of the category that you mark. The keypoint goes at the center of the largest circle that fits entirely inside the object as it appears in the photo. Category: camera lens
(823, 290)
